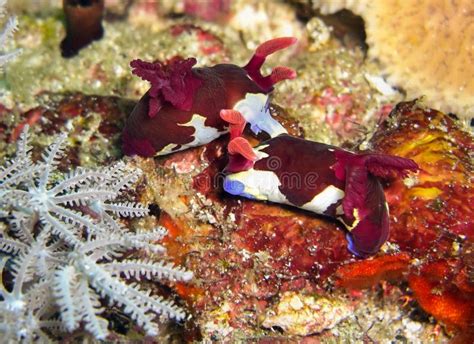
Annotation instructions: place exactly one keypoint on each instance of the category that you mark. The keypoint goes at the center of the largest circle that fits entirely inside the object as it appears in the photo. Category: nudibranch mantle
(183, 106)
(324, 179)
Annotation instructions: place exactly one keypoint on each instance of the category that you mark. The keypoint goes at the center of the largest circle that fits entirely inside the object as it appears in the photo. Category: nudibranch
(317, 177)
(183, 106)
(83, 24)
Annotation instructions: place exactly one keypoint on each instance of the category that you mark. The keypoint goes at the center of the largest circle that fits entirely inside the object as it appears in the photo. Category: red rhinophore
(258, 59)
(236, 122)
(241, 155)
(241, 146)
(183, 107)
(320, 178)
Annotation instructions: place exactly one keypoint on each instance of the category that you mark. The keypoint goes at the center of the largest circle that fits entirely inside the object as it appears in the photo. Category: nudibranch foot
(324, 179)
(188, 106)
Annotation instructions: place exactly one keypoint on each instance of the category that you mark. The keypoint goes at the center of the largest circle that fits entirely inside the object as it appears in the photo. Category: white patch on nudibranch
(168, 149)
(262, 185)
(254, 108)
(202, 135)
(265, 185)
(258, 152)
(323, 200)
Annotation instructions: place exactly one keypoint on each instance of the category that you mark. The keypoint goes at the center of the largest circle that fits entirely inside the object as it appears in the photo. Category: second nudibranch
(183, 106)
(320, 178)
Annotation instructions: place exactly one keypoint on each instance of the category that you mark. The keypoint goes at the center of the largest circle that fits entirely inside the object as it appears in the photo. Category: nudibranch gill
(320, 178)
(183, 106)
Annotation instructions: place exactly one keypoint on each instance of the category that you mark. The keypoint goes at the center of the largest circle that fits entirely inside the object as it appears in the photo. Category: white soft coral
(65, 236)
(88, 276)
(7, 32)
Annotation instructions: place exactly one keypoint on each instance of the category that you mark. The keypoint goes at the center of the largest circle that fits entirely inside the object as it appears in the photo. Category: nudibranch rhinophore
(324, 179)
(182, 108)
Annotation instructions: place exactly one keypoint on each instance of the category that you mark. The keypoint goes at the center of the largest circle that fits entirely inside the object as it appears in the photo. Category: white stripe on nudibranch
(323, 200)
(169, 149)
(263, 185)
(355, 214)
(254, 108)
(202, 135)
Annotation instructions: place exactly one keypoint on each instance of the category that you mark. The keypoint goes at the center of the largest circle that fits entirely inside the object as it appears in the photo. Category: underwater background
(97, 245)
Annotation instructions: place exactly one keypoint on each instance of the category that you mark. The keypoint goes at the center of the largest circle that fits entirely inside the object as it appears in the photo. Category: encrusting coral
(424, 46)
(67, 249)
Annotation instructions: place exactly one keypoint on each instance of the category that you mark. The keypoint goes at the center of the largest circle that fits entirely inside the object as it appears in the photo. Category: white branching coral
(26, 310)
(88, 275)
(65, 238)
(7, 32)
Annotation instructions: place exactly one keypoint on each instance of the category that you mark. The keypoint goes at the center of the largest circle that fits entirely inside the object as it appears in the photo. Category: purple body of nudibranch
(182, 108)
(320, 178)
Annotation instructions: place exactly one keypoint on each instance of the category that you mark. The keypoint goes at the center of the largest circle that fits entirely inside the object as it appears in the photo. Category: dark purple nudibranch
(324, 179)
(183, 106)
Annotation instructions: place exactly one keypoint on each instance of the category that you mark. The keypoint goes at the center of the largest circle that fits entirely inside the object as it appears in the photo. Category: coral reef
(422, 47)
(251, 260)
(338, 95)
(303, 315)
(246, 254)
(433, 219)
(94, 124)
(210, 10)
(68, 249)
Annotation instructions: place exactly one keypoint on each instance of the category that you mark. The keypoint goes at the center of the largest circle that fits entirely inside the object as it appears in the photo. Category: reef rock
(422, 46)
